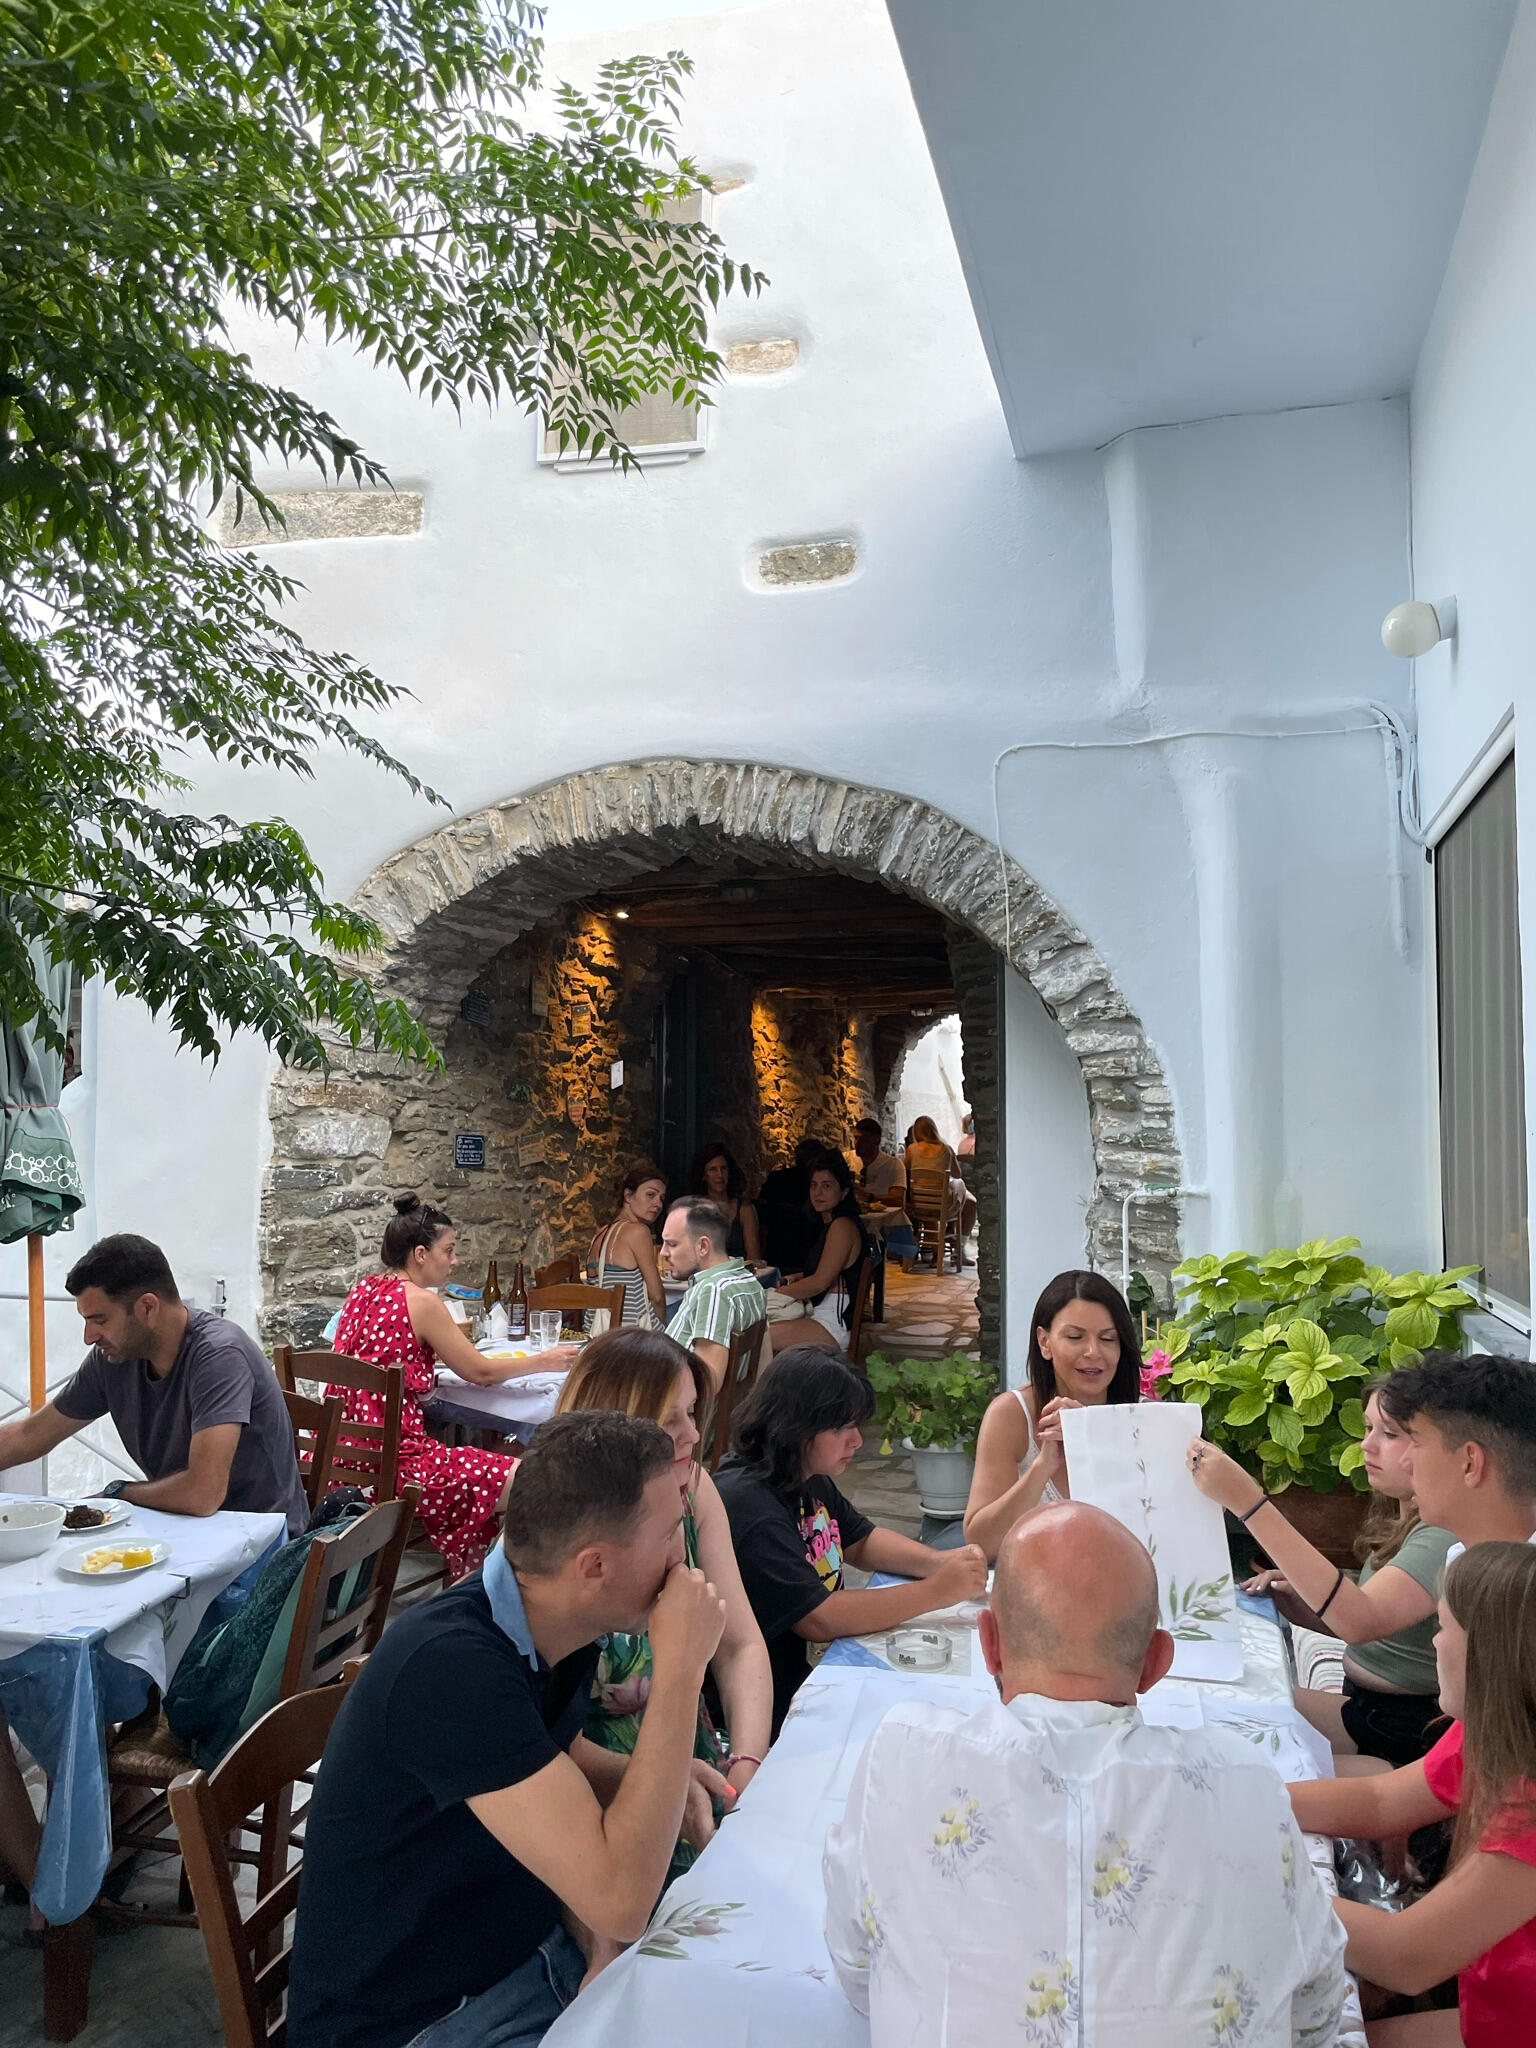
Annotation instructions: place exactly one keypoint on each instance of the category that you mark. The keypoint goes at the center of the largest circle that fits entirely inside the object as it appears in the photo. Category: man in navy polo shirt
(460, 1816)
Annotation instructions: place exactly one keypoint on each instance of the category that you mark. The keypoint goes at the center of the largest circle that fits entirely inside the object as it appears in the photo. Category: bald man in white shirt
(1053, 1871)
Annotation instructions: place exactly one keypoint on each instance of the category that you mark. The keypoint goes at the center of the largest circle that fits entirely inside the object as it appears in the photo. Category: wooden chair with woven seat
(251, 1792)
(935, 1215)
(576, 1297)
(315, 1426)
(742, 1358)
(559, 1272)
(333, 1621)
(370, 1455)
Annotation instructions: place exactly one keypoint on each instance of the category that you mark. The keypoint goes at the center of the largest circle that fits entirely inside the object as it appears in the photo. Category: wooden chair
(737, 1381)
(332, 1623)
(576, 1298)
(251, 1792)
(559, 1272)
(863, 1292)
(371, 1455)
(935, 1214)
(315, 1424)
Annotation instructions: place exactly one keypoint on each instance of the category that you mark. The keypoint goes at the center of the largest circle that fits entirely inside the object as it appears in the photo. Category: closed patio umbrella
(39, 1180)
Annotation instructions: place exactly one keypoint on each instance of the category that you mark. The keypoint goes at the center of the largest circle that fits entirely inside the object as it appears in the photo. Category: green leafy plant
(401, 181)
(1275, 1349)
(932, 1403)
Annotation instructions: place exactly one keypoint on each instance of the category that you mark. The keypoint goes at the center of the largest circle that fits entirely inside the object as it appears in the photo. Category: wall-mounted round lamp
(1414, 628)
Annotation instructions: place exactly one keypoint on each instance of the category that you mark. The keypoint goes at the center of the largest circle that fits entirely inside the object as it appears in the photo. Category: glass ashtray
(920, 1649)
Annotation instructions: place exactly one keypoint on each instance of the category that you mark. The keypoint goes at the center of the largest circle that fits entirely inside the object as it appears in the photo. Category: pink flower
(1157, 1367)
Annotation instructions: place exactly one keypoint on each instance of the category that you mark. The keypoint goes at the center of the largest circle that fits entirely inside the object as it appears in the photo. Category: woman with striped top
(625, 1249)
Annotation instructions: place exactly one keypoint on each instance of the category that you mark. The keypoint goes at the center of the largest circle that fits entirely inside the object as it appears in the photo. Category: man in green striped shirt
(723, 1297)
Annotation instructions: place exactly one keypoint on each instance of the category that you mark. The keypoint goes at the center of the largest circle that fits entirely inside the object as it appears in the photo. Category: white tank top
(1050, 1492)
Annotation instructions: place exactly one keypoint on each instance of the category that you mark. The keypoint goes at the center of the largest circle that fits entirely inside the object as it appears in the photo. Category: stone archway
(451, 900)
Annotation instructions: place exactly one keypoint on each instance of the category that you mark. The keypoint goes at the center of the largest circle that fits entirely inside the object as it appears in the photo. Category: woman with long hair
(625, 1248)
(928, 1153)
(1083, 1352)
(833, 1260)
(1390, 1704)
(793, 1529)
(720, 1180)
(1479, 1923)
(644, 1373)
(397, 1317)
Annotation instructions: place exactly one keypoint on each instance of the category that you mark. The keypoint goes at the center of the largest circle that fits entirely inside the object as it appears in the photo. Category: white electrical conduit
(1398, 749)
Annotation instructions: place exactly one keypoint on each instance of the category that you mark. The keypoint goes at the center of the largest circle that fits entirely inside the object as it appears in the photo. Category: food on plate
(82, 1517)
(117, 1557)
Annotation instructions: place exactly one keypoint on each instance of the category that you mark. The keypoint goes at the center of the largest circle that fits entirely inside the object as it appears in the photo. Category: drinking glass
(546, 1328)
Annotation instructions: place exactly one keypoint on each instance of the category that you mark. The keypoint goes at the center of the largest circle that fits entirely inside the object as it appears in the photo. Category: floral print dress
(460, 1488)
(622, 1686)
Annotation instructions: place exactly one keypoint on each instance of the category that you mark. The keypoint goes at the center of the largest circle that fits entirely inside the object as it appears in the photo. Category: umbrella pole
(36, 1346)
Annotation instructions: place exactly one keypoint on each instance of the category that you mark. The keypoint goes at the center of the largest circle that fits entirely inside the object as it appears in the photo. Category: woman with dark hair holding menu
(397, 1317)
(1083, 1352)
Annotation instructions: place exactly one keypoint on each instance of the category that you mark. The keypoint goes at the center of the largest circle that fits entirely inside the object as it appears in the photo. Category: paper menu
(1130, 1461)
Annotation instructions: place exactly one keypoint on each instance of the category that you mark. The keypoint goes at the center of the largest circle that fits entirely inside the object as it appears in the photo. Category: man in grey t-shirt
(195, 1402)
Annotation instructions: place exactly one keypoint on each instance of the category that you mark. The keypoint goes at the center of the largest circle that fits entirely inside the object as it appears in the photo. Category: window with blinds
(1482, 1069)
(657, 427)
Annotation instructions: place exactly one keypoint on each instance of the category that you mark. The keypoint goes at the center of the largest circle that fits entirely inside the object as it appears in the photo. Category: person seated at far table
(460, 1811)
(1479, 1923)
(193, 1398)
(928, 1153)
(644, 1373)
(834, 1259)
(793, 1531)
(1390, 1702)
(397, 1317)
(717, 1178)
(625, 1249)
(1083, 1352)
(722, 1298)
(1049, 1868)
(781, 1207)
(882, 1176)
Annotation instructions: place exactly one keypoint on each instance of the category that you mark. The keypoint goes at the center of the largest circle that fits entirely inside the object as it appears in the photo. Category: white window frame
(655, 454)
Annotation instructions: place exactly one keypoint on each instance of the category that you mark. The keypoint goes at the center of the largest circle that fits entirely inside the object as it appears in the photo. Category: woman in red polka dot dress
(397, 1318)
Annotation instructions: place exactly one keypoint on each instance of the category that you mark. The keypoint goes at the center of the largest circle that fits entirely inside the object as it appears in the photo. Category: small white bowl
(27, 1527)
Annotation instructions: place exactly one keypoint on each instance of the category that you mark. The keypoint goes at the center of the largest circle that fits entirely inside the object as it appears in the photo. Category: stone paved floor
(150, 1986)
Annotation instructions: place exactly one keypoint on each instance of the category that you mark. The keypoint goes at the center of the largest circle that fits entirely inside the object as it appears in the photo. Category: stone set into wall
(815, 1076)
(454, 900)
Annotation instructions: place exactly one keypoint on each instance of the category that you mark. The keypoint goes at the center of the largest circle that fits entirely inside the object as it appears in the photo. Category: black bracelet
(1263, 1501)
(1332, 1595)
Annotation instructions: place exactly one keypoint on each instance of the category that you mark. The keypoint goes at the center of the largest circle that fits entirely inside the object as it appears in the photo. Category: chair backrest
(742, 1357)
(863, 1288)
(579, 1298)
(315, 1424)
(252, 1791)
(368, 1453)
(928, 1196)
(559, 1272)
(344, 1593)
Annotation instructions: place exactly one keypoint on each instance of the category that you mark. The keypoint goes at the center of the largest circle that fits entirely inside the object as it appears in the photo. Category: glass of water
(544, 1327)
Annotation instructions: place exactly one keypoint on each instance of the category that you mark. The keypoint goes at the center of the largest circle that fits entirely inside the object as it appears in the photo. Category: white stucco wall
(931, 1078)
(1474, 515)
(1228, 574)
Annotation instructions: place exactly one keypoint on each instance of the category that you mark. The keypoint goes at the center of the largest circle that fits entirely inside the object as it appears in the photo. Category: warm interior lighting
(621, 914)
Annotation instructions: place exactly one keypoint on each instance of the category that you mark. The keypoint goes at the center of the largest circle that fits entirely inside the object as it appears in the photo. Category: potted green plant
(1276, 1348)
(933, 1407)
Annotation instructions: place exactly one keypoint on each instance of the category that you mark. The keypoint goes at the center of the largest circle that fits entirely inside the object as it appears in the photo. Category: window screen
(1482, 1078)
(657, 420)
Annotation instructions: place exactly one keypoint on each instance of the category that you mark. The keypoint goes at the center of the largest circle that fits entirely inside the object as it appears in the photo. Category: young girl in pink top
(1479, 1922)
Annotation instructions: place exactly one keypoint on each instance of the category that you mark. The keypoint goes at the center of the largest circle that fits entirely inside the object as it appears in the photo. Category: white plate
(72, 1561)
(116, 1511)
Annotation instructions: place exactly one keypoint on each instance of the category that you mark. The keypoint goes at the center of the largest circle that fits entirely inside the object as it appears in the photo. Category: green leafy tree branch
(364, 173)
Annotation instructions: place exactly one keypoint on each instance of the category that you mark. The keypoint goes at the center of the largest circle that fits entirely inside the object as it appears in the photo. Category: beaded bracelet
(732, 1761)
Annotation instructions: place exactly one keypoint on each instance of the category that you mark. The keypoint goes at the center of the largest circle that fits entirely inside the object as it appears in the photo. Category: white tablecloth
(530, 1399)
(150, 1618)
(735, 1956)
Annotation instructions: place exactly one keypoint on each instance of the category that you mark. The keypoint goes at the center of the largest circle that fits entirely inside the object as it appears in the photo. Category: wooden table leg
(67, 1977)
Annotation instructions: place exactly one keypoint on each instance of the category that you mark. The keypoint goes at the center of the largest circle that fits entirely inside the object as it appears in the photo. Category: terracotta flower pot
(1330, 1521)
